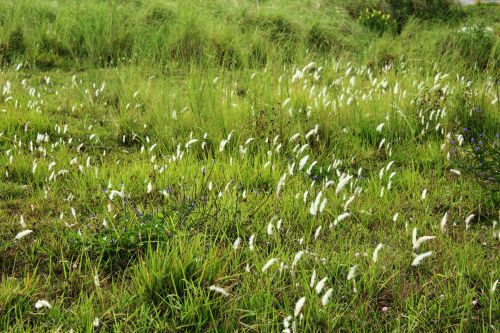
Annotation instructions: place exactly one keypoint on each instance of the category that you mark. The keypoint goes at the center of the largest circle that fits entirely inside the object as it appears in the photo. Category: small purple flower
(465, 129)
(472, 140)
(477, 148)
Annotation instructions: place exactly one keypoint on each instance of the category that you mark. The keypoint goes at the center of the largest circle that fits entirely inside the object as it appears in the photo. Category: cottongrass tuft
(281, 184)
(236, 243)
(395, 217)
(298, 255)
(268, 264)
(326, 297)
(352, 272)
(270, 228)
(318, 231)
(340, 218)
(42, 304)
(375, 253)
(303, 162)
(468, 220)
(417, 242)
(343, 181)
(444, 220)
(298, 306)
(419, 258)
(315, 204)
(219, 290)
(23, 233)
(321, 285)
(313, 279)
(251, 242)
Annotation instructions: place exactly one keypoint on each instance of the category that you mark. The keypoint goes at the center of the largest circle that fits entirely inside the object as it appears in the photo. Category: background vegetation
(164, 165)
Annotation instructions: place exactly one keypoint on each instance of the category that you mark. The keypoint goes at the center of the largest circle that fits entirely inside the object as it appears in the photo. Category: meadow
(249, 166)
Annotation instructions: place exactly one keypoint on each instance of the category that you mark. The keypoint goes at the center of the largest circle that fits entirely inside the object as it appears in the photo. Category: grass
(179, 167)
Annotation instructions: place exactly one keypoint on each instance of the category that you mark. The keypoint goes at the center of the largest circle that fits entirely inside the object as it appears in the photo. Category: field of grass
(250, 166)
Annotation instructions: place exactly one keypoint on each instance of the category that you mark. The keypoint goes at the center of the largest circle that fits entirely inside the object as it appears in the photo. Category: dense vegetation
(278, 165)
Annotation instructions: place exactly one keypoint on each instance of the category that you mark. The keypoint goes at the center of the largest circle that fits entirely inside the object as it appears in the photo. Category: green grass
(142, 141)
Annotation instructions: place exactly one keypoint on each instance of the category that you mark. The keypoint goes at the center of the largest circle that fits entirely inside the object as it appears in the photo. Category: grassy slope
(150, 265)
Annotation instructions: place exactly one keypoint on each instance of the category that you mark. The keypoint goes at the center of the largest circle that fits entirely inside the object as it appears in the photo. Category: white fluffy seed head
(352, 272)
(298, 306)
(313, 279)
(219, 290)
(268, 264)
(468, 220)
(419, 258)
(42, 304)
(326, 297)
(444, 220)
(251, 242)
(375, 252)
(298, 255)
(321, 285)
(23, 233)
(424, 194)
(236, 243)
